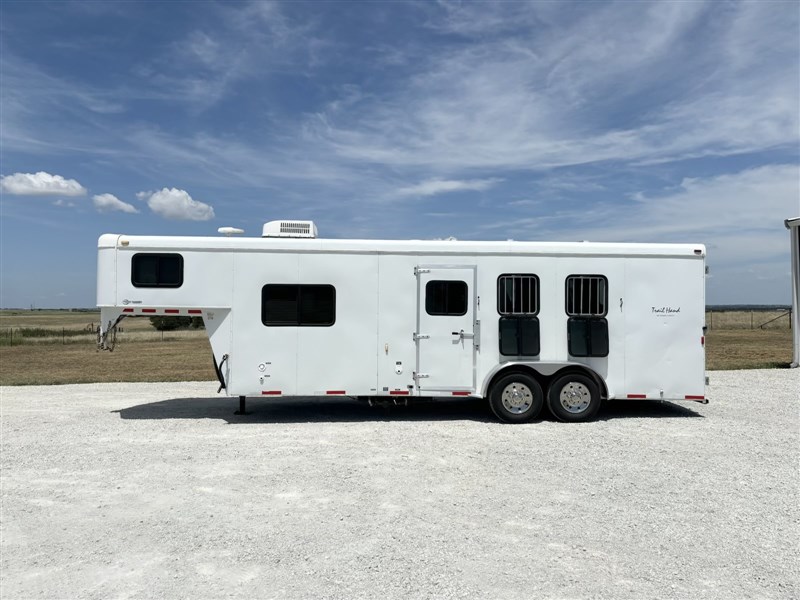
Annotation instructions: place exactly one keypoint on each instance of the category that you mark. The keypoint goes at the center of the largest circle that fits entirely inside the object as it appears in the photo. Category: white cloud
(431, 187)
(40, 184)
(110, 203)
(172, 203)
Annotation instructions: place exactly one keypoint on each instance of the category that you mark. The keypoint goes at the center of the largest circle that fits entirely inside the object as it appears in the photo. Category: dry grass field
(144, 354)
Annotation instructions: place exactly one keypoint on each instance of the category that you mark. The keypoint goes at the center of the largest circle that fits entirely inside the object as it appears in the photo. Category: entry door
(446, 328)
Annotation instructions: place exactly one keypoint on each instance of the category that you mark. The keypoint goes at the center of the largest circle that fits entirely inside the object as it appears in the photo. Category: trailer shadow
(307, 410)
(343, 410)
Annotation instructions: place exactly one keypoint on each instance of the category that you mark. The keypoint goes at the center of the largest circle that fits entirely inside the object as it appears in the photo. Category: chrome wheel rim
(575, 397)
(517, 398)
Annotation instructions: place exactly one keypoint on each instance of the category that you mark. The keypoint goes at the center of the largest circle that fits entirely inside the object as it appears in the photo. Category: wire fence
(18, 336)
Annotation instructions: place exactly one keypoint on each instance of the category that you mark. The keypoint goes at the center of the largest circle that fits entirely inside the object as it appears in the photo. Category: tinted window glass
(587, 337)
(519, 336)
(287, 305)
(157, 270)
(446, 298)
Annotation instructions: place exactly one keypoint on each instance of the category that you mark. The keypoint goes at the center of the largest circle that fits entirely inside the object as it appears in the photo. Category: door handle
(461, 335)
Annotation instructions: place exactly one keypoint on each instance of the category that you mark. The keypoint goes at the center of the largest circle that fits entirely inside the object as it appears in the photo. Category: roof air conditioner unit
(290, 229)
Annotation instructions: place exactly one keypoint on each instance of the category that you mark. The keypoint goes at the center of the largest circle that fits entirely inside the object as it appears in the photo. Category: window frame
(588, 315)
(298, 302)
(536, 299)
(158, 256)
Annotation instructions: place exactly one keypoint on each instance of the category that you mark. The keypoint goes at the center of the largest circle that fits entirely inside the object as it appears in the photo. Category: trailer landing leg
(241, 410)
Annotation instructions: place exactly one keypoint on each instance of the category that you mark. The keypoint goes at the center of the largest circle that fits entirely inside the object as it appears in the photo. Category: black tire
(516, 398)
(573, 398)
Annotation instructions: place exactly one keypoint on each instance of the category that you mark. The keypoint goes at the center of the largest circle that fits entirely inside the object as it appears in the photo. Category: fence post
(751, 319)
(12, 335)
(63, 337)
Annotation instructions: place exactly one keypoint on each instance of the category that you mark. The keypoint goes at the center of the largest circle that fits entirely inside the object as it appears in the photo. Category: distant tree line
(172, 323)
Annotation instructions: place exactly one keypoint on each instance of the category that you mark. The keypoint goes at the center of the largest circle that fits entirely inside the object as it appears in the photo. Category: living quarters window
(587, 305)
(157, 270)
(296, 305)
(446, 298)
(518, 306)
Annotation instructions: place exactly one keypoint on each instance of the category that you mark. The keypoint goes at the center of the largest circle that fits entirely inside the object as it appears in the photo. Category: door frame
(423, 269)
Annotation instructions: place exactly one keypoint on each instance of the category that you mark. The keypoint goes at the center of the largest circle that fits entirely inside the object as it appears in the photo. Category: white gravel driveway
(158, 490)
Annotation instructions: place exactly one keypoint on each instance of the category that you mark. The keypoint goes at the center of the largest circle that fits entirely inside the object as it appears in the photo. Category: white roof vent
(291, 229)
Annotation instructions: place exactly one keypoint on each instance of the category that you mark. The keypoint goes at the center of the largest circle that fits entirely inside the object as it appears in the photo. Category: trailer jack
(242, 410)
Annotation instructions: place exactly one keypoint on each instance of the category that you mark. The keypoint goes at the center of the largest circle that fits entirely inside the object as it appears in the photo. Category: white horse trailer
(519, 323)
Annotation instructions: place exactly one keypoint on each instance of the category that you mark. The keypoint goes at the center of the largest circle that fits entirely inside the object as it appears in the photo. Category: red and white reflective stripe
(461, 393)
(271, 393)
(336, 393)
(398, 393)
(163, 311)
(638, 396)
(694, 397)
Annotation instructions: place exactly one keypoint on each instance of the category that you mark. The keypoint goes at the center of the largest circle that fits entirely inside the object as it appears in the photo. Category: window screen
(518, 295)
(157, 270)
(587, 296)
(446, 298)
(292, 305)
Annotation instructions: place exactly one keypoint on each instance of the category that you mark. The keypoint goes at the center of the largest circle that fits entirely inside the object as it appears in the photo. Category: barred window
(587, 296)
(518, 294)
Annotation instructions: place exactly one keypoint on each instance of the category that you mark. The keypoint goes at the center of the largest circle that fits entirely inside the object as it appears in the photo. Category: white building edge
(793, 225)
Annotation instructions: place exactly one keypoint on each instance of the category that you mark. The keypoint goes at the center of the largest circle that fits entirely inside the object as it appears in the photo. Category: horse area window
(587, 305)
(518, 306)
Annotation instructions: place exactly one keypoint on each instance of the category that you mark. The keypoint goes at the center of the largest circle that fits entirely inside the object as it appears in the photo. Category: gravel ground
(158, 490)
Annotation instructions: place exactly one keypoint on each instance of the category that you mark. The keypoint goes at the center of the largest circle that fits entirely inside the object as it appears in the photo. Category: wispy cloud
(432, 187)
(40, 184)
(110, 203)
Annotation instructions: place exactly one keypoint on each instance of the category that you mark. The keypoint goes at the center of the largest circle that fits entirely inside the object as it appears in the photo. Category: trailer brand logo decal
(665, 311)
(126, 302)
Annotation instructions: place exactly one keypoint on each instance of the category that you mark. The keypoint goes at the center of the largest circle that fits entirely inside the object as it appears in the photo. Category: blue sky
(629, 121)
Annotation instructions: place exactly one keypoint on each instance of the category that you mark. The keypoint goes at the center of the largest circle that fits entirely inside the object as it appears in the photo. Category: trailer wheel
(573, 398)
(516, 398)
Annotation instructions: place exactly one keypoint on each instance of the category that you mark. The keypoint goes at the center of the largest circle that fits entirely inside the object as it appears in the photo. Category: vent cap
(290, 229)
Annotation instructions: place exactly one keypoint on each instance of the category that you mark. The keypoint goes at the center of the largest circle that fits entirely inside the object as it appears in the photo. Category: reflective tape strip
(398, 393)
(148, 310)
(695, 397)
(271, 393)
(194, 311)
(461, 393)
(638, 396)
(336, 392)
(171, 311)
(127, 310)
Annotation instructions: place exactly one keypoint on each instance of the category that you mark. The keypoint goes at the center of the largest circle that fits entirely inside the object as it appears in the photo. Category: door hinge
(421, 336)
(418, 271)
(421, 376)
